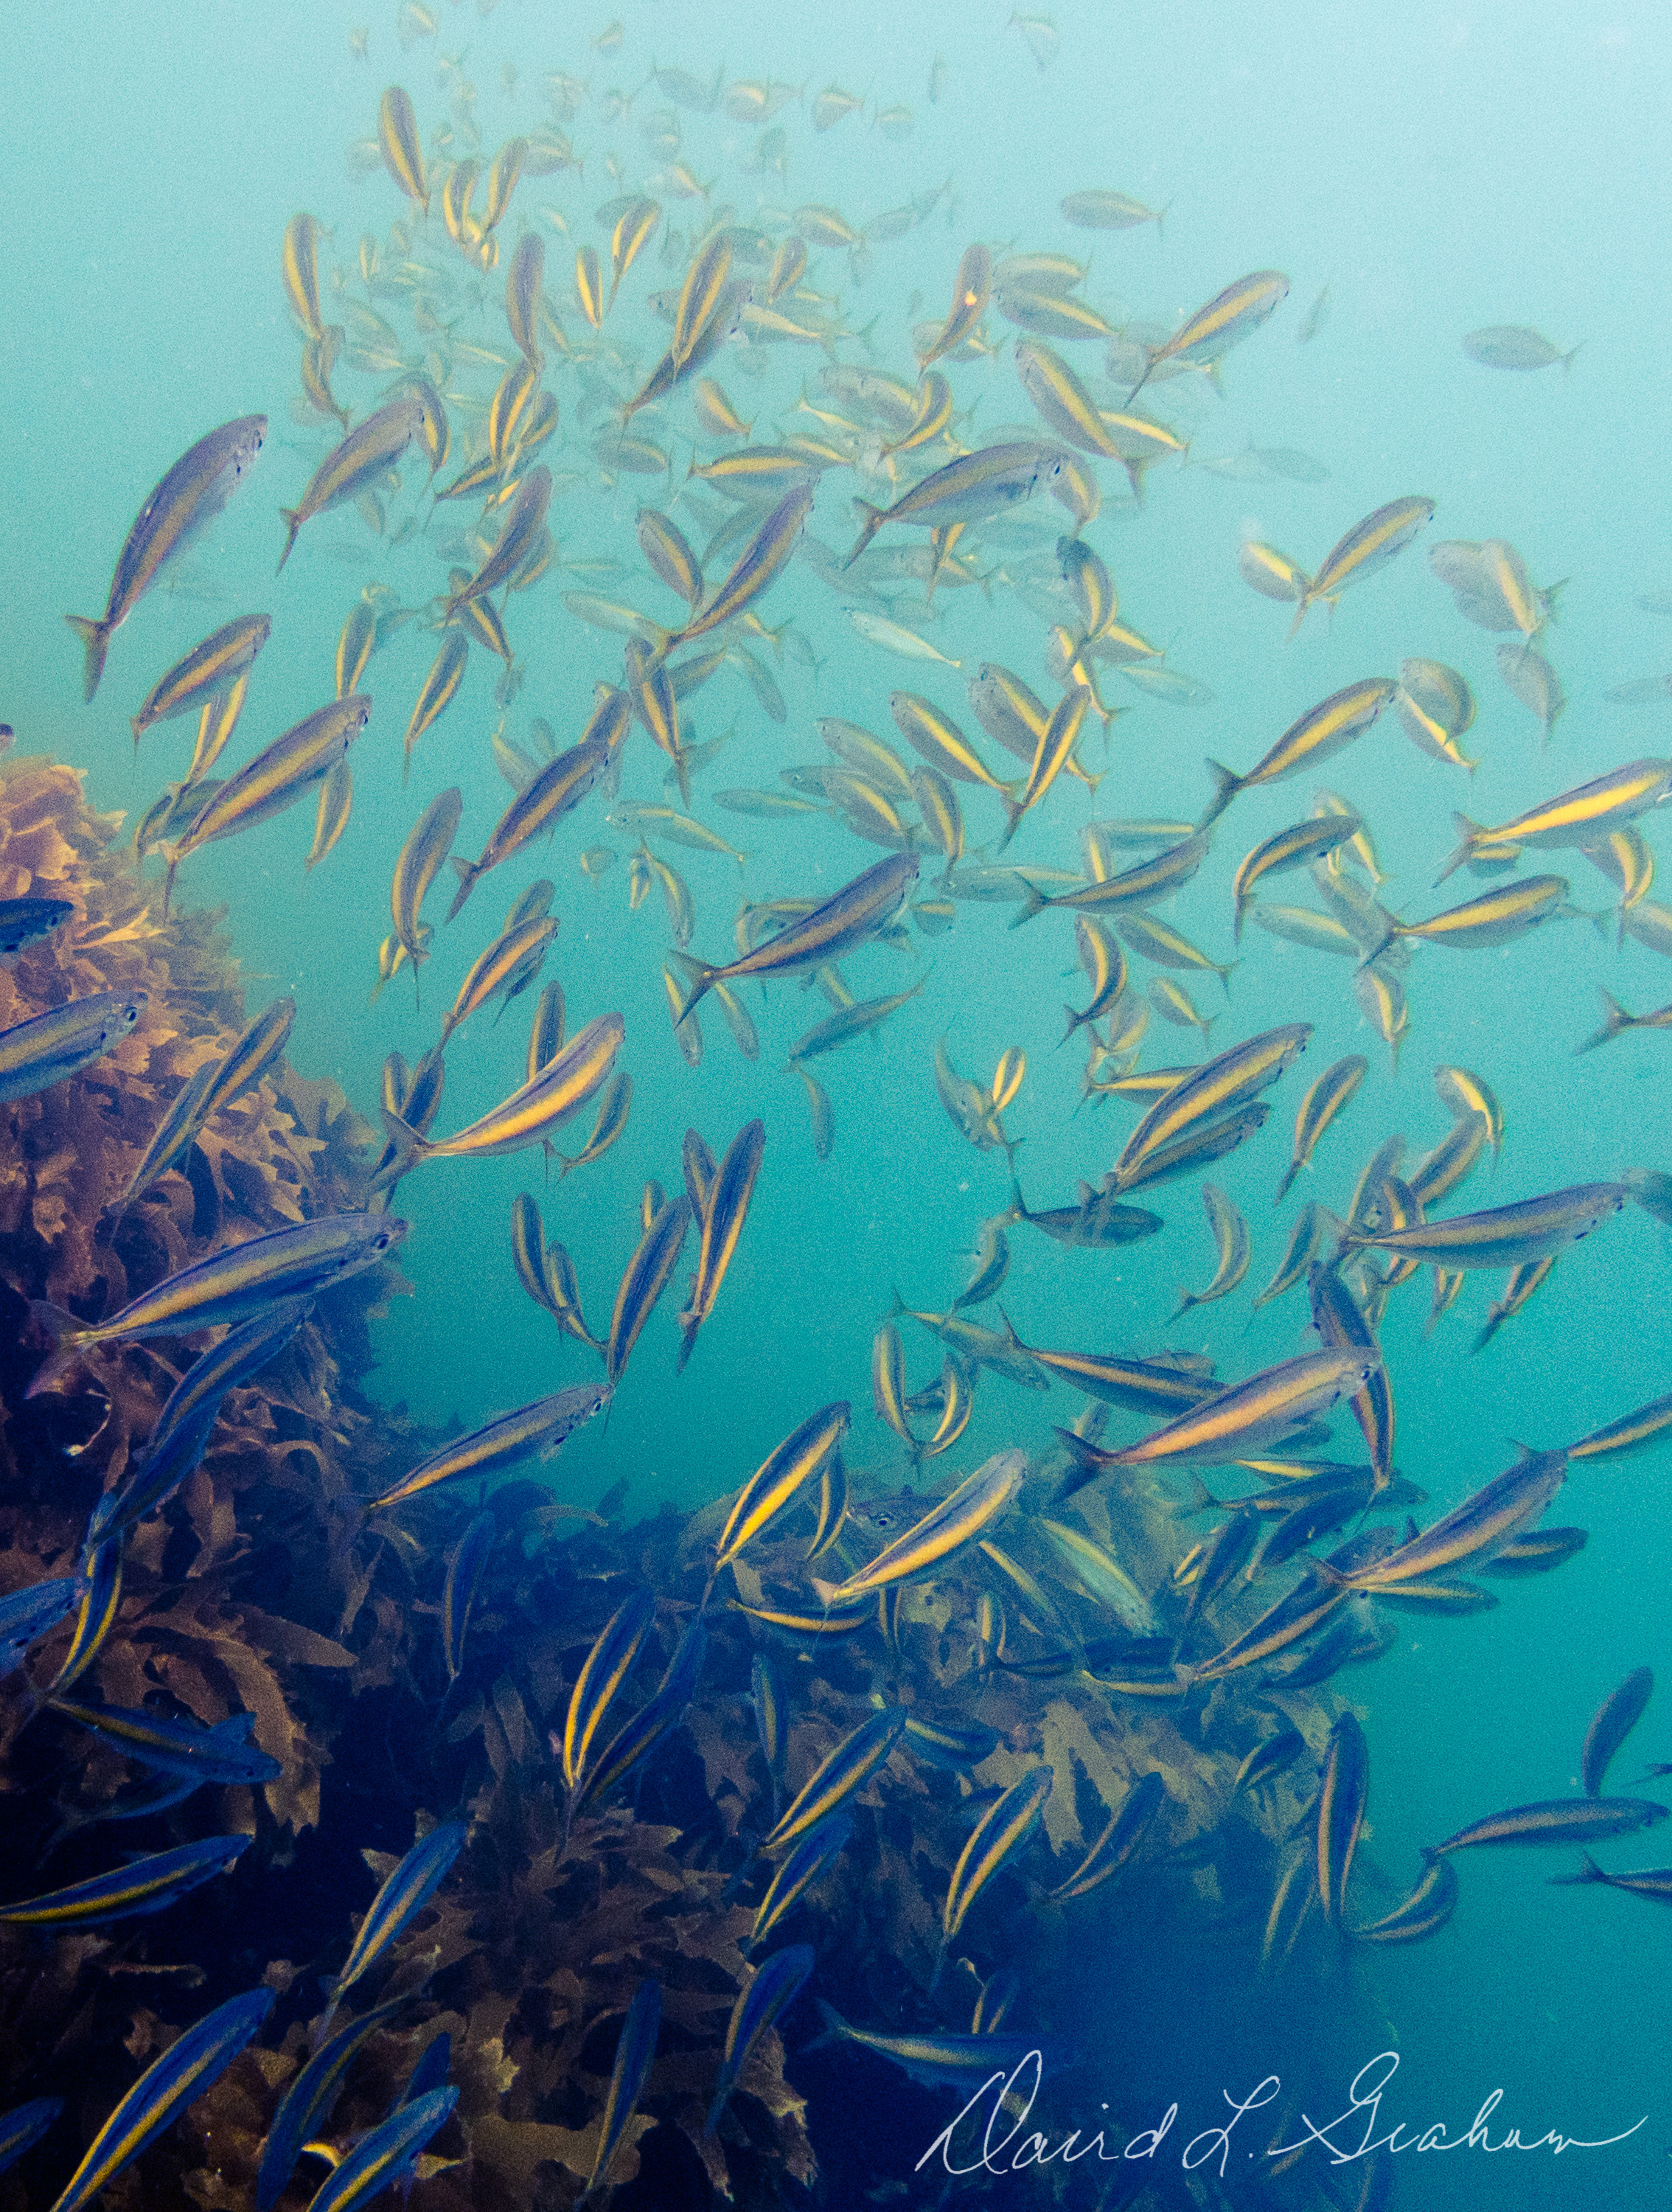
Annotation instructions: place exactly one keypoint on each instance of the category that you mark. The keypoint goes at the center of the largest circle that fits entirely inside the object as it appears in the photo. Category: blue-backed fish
(187, 2070)
(775, 1984)
(36, 1053)
(537, 1430)
(146, 1885)
(187, 500)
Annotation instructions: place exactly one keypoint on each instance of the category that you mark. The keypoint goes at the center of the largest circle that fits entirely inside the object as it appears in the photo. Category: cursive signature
(1004, 2142)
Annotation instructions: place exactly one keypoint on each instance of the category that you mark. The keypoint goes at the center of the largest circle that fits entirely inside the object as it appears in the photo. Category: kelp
(257, 1590)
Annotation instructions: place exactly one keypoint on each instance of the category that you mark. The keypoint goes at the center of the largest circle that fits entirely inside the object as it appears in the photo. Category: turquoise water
(1438, 170)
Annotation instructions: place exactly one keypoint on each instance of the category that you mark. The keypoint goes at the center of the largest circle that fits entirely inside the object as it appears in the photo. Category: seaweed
(259, 1588)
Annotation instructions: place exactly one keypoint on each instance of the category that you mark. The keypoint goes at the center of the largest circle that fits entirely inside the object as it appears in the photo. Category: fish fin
(292, 519)
(1616, 1021)
(96, 637)
(1331, 1577)
(1390, 930)
(1037, 901)
(703, 973)
(1186, 1299)
(689, 1325)
(65, 1331)
(1089, 1463)
(467, 872)
(1589, 1871)
(408, 1144)
(1074, 1021)
(836, 2027)
(1227, 785)
(1471, 833)
(1306, 599)
(826, 1591)
(1289, 1175)
(868, 529)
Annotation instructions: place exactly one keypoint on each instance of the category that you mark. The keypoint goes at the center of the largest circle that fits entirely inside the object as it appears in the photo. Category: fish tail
(1616, 1021)
(1074, 1021)
(291, 517)
(408, 1145)
(467, 872)
(96, 637)
(1471, 833)
(689, 1325)
(1186, 1299)
(1306, 599)
(1589, 1869)
(1037, 903)
(67, 1334)
(171, 854)
(1389, 931)
(1570, 356)
(1014, 810)
(702, 972)
(1289, 1175)
(1224, 974)
(1088, 1464)
(1227, 785)
(871, 525)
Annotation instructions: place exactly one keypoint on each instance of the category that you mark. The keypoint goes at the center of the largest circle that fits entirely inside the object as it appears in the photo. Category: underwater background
(1438, 170)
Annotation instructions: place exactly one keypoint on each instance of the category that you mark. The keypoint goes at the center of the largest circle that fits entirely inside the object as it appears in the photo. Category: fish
(1557, 1820)
(1231, 1243)
(1611, 1723)
(1504, 1235)
(1635, 1432)
(146, 1885)
(1231, 316)
(403, 1895)
(504, 969)
(1343, 1326)
(1423, 1913)
(187, 2070)
(1144, 884)
(830, 930)
(555, 790)
(464, 1566)
(190, 495)
(1472, 1532)
(187, 1750)
(635, 2052)
(780, 1477)
(1109, 210)
(1297, 846)
(357, 464)
(725, 1208)
(245, 1281)
(775, 1984)
(561, 1088)
(958, 1519)
(207, 671)
(943, 2060)
(386, 2153)
(25, 921)
(1512, 345)
(48, 1048)
(996, 1837)
(978, 485)
(274, 780)
(838, 1778)
(1118, 1840)
(811, 1858)
(1325, 1100)
(603, 1673)
(646, 1276)
(1229, 1080)
(420, 860)
(1581, 817)
(1368, 546)
(1341, 1804)
(1320, 733)
(24, 2126)
(537, 1430)
(1236, 1421)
